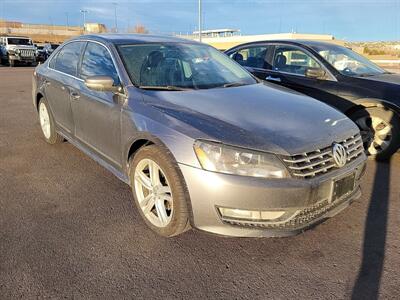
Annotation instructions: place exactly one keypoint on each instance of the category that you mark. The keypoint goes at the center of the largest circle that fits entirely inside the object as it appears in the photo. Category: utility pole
(84, 12)
(115, 16)
(3, 11)
(200, 15)
(67, 15)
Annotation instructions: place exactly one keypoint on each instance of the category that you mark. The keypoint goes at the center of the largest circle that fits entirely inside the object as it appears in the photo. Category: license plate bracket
(343, 186)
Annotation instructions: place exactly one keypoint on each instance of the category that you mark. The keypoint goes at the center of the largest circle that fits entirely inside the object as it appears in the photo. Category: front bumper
(22, 58)
(312, 198)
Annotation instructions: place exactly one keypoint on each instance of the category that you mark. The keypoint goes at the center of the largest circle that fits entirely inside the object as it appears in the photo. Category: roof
(307, 43)
(134, 38)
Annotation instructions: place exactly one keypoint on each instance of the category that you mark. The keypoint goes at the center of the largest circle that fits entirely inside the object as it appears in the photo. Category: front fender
(140, 127)
(373, 102)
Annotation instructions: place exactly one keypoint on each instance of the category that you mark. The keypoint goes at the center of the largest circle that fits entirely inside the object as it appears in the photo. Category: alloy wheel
(153, 193)
(376, 133)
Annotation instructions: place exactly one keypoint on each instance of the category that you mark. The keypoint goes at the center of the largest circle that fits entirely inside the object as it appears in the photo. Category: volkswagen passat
(200, 141)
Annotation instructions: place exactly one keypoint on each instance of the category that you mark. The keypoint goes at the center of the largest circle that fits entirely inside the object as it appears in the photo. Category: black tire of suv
(162, 156)
(11, 63)
(390, 118)
(54, 138)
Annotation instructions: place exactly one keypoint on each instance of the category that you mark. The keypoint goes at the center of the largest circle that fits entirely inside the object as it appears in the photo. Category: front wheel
(159, 191)
(380, 131)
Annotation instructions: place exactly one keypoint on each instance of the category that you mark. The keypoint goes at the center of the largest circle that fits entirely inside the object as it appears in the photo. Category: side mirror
(102, 84)
(317, 73)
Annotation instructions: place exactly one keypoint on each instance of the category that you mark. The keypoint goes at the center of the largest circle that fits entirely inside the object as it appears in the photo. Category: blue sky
(351, 20)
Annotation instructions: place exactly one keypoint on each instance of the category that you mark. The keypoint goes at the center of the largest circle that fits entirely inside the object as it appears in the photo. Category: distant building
(223, 39)
(95, 28)
(214, 33)
(40, 33)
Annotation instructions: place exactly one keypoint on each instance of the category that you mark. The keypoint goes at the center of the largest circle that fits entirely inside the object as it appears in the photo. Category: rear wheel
(47, 124)
(380, 131)
(159, 191)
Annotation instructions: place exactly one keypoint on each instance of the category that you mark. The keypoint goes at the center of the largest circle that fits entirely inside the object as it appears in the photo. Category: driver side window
(253, 57)
(97, 61)
(289, 59)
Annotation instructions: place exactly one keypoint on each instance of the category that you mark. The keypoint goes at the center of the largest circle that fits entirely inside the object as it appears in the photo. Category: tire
(166, 212)
(47, 124)
(11, 63)
(380, 129)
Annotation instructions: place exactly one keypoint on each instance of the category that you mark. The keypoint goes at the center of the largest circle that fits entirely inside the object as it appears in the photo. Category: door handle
(270, 78)
(75, 95)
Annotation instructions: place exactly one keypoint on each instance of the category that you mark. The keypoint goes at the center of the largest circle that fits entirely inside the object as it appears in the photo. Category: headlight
(231, 160)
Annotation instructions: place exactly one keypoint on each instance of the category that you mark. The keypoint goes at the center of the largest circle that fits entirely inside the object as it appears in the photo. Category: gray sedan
(200, 141)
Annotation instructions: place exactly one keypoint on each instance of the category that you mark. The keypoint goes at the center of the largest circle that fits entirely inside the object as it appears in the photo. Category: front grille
(320, 161)
(27, 52)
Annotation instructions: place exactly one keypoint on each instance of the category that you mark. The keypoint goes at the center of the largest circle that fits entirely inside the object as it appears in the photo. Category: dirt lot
(69, 229)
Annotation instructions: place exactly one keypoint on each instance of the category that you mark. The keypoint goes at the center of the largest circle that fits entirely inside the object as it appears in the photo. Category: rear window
(67, 58)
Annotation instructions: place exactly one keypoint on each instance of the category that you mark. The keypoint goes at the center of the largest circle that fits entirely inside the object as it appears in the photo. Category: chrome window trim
(87, 41)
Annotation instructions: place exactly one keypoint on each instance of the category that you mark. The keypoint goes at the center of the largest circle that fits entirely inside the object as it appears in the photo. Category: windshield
(17, 41)
(186, 66)
(347, 61)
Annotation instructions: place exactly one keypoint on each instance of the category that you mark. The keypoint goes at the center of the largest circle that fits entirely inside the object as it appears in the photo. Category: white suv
(17, 49)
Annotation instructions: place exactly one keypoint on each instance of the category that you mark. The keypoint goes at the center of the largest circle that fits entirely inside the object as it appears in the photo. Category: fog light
(250, 214)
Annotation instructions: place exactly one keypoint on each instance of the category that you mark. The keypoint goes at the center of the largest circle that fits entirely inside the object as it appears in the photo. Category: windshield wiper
(163, 88)
(233, 84)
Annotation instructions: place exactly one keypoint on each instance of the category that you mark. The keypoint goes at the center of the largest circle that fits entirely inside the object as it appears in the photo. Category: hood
(258, 116)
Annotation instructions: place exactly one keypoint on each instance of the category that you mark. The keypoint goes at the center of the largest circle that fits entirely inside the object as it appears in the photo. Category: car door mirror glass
(102, 84)
(317, 73)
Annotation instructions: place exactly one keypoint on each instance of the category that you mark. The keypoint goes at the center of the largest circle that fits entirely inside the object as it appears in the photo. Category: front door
(97, 114)
(289, 66)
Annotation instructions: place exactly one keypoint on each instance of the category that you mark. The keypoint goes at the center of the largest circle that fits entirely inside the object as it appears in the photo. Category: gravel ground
(69, 229)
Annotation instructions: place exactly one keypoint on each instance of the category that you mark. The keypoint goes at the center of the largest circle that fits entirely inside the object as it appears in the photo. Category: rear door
(97, 114)
(253, 58)
(62, 76)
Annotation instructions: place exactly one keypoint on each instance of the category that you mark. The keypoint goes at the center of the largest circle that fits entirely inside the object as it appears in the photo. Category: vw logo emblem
(339, 155)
